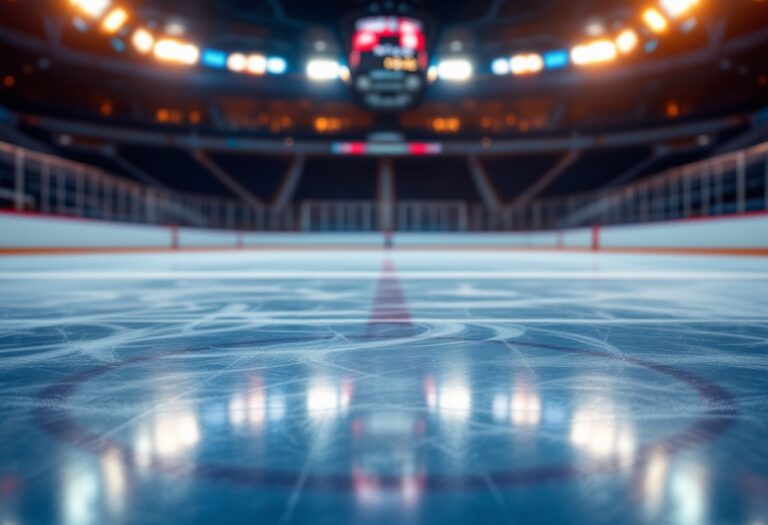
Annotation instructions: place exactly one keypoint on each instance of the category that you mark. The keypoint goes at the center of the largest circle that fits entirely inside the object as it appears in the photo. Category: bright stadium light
(627, 41)
(455, 70)
(595, 52)
(92, 8)
(655, 20)
(115, 20)
(143, 41)
(214, 58)
(189, 54)
(500, 66)
(526, 64)
(237, 62)
(345, 74)
(323, 69)
(170, 50)
(557, 59)
(519, 64)
(257, 64)
(277, 65)
(677, 8)
(431, 74)
(167, 49)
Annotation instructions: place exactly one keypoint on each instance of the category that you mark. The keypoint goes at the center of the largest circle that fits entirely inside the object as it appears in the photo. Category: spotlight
(526, 64)
(677, 8)
(189, 54)
(276, 65)
(557, 59)
(169, 50)
(344, 74)
(655, 20)
(323, 69)
(257, 64)
(115, 20)
(627, 41)
(594, 53)
(214, 58)
(500, 66)
(431, 74)
(455, 70)
(237, 62)
(92, 8)
(143, 41)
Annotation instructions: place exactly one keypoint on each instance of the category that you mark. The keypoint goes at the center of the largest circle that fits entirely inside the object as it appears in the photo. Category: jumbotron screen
(388, 61)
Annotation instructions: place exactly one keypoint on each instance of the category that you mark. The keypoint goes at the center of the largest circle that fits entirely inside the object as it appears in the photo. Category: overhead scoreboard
(388, 61)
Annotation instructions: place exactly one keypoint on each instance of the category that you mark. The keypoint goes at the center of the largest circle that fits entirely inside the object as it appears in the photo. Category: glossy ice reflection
(385, 401)
(355, 421)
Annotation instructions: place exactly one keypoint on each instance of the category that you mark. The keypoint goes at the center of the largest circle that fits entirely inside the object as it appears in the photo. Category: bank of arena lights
(653, 21)
(113, 19)
(253, 64)
(521, 64)
(117, 20)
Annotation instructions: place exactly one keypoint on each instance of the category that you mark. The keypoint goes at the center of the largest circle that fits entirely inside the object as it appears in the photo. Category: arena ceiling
(443, 12)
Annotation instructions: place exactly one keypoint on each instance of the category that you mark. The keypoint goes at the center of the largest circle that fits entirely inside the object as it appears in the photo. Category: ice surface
(370, 387)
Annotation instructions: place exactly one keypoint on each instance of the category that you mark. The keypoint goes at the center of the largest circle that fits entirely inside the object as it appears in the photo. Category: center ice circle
(399, 413)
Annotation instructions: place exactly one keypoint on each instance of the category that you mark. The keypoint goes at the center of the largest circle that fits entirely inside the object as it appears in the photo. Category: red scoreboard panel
(388, 61)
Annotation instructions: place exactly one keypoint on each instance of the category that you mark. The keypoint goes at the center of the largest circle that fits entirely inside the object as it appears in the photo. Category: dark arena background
(383, 262)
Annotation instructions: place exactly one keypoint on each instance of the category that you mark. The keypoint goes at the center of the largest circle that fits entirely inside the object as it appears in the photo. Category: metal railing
(426, 216)
(33, 181)
(731, 183)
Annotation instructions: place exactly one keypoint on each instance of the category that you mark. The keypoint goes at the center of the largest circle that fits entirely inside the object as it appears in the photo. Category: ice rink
(347, 387)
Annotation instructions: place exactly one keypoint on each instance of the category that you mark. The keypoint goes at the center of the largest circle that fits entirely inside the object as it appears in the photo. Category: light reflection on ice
(449, 395)
(454, 400)
(520, 407)
(171, 434)
(249, 406)
(388, 469)
(113, 470)
(688, 492)
(176, 433)
(79, 493)
(256, 405)
(460, 395)
(654, 483)
(598, 431)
